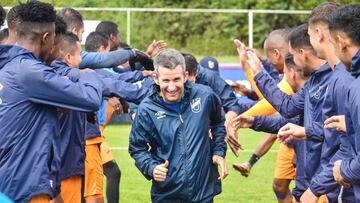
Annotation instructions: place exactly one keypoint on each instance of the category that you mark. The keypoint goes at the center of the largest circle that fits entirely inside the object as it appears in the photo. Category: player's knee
(280, 186)
(112, 170)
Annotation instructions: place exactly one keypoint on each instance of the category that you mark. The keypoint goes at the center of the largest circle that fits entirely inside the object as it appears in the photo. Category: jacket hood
(355, 64)
(8, 52)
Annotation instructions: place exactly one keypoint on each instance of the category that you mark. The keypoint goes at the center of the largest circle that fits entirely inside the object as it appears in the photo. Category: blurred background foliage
(199, 33)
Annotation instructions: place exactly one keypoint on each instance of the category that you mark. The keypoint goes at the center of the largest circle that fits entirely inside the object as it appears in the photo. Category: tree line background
(199, 33)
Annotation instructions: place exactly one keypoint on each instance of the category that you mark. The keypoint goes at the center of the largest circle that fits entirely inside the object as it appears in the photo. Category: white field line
(245, 150)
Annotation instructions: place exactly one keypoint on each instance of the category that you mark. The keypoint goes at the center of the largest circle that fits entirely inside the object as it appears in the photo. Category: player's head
(74, 21)
(318, 28)
(111, 30)
(70, 50)
(12, 17)
(191, 66)
(344, 26)
(60, 30)
(210, 63)
(170, 74)
(36, 27)
(2, 16)
(276, 46)
(11, 20)
(301, 49)
(97, 42)
(294, 75)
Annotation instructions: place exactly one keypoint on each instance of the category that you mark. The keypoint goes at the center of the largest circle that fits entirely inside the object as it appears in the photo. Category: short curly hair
(34, 16)
(2, 15)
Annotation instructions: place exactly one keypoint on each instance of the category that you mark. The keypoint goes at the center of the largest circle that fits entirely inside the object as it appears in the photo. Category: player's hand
(242, 121)
(232, 139)
(220, 161)
(147, 73)
(116, 105)
(160, 171)
(337, 175)
(248, 59)
(240, 89)
(155, 47)
(308, 197)
(337, 122)
(86, 70)
(142, 58)
(291, 131)
(257, 53)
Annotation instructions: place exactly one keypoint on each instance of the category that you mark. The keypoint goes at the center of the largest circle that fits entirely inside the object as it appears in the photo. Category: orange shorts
(106, 154)
(40, 199)
(323, 199)
(93, 172)
(71, 189)
(109, 113)
(284, 168)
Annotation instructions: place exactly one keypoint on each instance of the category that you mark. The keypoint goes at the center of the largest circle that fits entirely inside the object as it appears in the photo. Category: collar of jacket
(355, 65)
(324, 68)
(185, 100)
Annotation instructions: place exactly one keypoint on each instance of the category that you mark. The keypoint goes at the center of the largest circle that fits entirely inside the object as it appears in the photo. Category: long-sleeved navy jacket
(95, 60)
(350, 167)
(30, 93)
(220, 87)
(182, 138)
(74, 127)
(336, 144)
(308, 101)
(273, 72)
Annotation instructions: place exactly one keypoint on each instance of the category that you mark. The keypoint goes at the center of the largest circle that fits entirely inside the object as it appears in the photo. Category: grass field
(256, 188)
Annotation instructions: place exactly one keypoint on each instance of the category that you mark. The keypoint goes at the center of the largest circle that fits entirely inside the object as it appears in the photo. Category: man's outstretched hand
(248, 58)
(242, 121)
(220, 161)
(291, 131)
(155, 47)
(337, 122)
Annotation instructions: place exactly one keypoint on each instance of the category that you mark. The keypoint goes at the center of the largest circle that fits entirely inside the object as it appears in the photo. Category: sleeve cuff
(259, 75)
(220, 153)
(150, 171)
(256, 123)
(343, 165)
(313, 190)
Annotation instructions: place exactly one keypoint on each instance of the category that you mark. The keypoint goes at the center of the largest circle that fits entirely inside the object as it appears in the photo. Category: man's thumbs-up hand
(160, 171)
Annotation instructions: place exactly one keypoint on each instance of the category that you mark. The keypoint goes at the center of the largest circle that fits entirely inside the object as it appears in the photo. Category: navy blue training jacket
(336, 144)
(308, 101)
(95, 60)
(74, 127)
(350, 167)
(182, 139)
(30, 93)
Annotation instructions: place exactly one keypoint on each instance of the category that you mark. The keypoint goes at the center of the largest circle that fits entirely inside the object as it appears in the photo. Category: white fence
(249, 12)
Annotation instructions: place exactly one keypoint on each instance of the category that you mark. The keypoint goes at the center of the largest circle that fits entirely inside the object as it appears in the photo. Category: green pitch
(256, 188)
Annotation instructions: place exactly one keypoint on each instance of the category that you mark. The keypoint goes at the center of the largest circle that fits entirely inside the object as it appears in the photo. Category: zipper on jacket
(182, 121)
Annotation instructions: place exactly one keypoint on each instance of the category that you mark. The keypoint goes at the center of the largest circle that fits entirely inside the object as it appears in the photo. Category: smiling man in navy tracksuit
(30, 92)
(344, 26)
(174, 120)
